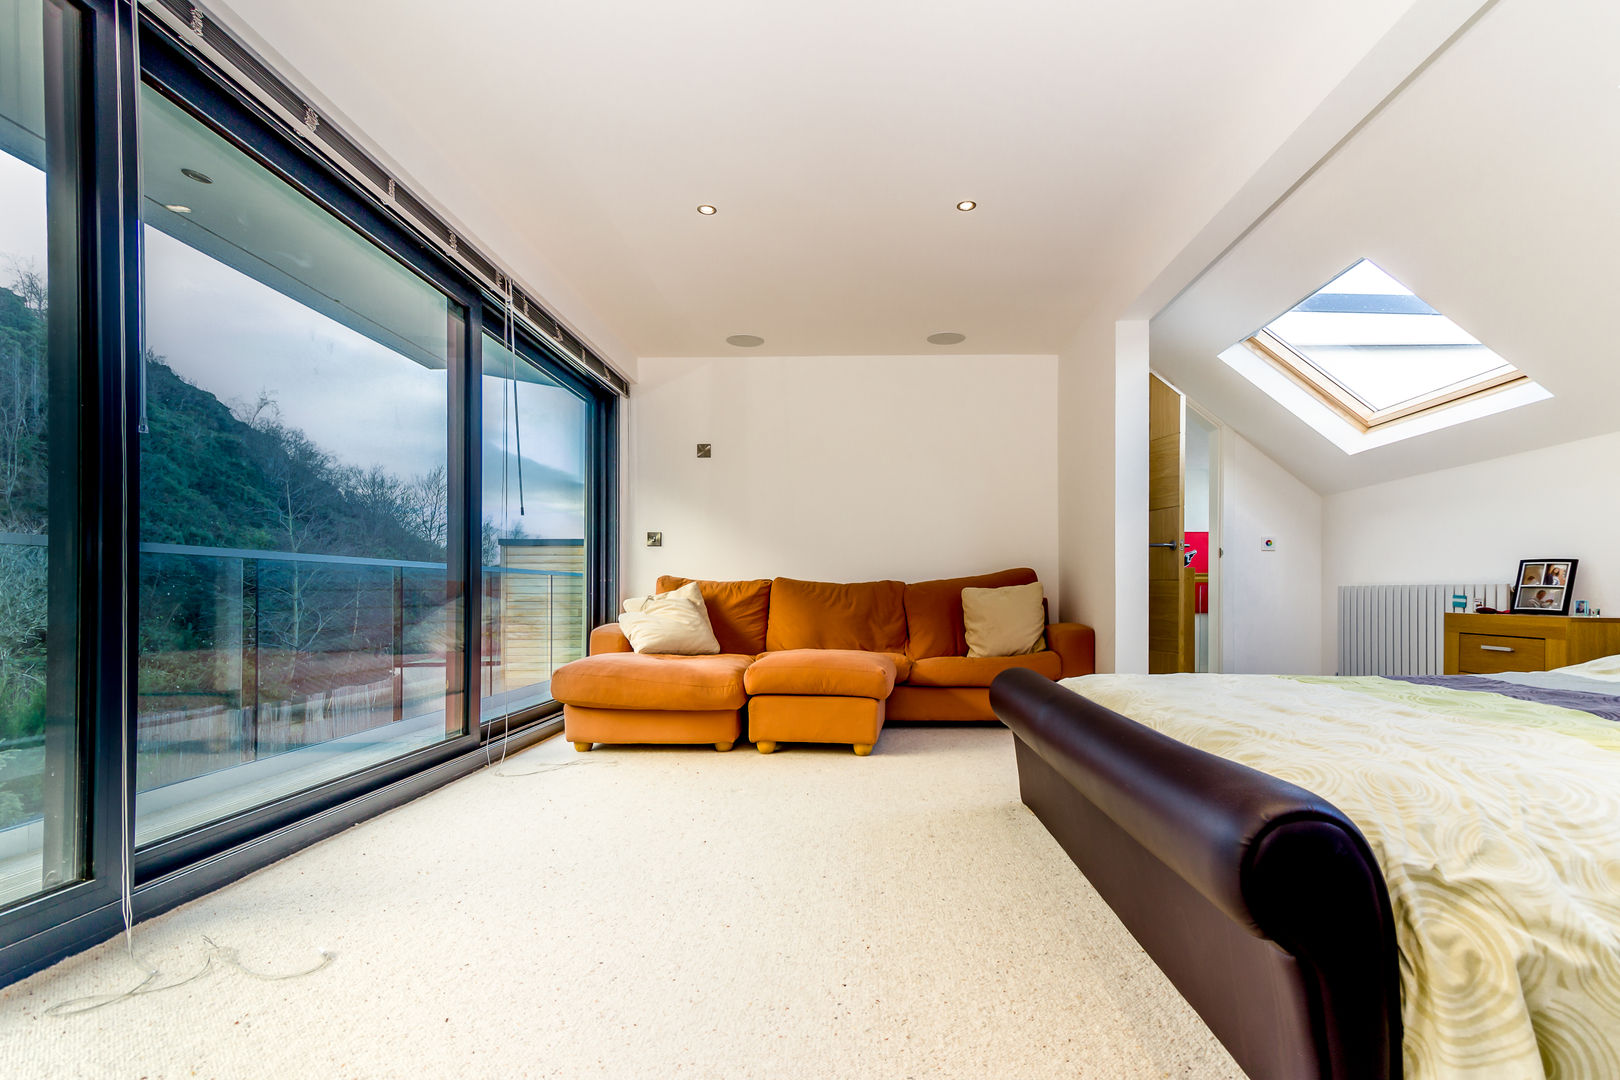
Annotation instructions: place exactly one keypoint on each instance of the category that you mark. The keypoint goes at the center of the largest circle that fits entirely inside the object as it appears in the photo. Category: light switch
(704, 448)
(655, 539)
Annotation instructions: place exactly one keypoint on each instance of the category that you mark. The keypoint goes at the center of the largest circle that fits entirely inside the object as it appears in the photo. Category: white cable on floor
(218, 955)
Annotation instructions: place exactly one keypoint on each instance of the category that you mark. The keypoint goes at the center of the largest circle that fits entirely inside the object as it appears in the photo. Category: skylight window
(1375, 353)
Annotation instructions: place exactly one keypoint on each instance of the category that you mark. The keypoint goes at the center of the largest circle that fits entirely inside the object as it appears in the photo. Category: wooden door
(1169, 589)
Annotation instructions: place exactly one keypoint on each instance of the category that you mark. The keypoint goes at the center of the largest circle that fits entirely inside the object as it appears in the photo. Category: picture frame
(1544, 586)
(1580, 607)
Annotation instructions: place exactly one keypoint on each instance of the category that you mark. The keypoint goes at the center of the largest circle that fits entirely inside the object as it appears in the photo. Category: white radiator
(1400, 629)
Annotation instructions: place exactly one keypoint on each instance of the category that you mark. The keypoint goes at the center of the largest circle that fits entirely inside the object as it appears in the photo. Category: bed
(1353, 878)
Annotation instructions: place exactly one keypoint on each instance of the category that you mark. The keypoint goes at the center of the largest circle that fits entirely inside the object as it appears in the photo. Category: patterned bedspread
(1496, 819)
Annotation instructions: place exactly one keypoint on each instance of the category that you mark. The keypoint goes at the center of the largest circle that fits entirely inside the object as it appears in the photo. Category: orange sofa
(807, 661)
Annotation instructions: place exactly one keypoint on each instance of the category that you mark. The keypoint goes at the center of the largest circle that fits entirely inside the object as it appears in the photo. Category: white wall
(1103, 486)
(1271, 601)
(843, 468)
(1475, 522)
(1449, 190)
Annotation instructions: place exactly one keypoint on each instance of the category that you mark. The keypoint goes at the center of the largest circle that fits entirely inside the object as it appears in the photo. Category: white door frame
(1217, 504)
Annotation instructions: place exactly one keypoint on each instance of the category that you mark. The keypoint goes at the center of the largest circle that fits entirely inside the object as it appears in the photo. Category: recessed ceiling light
(745, 341)
(966, 204)
(177, 208)
(706, 210)
(946, 339)
(193, 174)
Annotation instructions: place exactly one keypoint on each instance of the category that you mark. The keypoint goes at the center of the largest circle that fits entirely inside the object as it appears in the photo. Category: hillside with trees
(211, 476)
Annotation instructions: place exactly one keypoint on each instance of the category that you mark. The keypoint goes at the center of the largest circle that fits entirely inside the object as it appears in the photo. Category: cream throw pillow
(673, 622)
(1004, 622)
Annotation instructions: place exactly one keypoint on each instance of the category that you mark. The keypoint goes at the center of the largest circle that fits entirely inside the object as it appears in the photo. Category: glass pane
(533, 530)
(298, 620)
(41, 820)
(1371, 335)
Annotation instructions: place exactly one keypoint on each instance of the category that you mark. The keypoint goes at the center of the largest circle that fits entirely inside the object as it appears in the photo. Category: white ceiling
(1490, 186)
(576, 139)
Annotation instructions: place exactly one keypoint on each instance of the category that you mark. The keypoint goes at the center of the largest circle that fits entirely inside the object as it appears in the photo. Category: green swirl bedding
(1496, 819)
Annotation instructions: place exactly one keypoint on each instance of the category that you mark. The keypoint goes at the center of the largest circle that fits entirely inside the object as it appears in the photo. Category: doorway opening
(1202, 526)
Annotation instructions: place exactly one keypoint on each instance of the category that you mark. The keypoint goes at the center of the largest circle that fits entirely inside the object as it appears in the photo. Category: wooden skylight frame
(1345, 404)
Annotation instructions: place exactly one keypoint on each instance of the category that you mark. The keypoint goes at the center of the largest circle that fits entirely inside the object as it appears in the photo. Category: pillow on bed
(675, 622)
(1604, 667)
(1004, 622)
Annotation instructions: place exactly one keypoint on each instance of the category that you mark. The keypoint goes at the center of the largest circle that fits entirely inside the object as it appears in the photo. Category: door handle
(1166, 543)
(1495, 648)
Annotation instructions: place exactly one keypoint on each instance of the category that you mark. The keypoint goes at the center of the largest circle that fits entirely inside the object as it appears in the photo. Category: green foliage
(212, 478)
(22, 715)
(12, 802)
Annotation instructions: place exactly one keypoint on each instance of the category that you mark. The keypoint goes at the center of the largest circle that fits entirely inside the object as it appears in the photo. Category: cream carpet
(651, 913)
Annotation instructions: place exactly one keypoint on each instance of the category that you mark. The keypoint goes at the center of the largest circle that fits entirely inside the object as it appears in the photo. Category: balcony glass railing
(264, 673)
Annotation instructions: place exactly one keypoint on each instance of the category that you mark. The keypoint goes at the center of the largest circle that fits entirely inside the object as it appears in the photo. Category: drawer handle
(1495, 648)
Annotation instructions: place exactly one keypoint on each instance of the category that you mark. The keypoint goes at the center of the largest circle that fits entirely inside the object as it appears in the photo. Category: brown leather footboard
(1259, 900)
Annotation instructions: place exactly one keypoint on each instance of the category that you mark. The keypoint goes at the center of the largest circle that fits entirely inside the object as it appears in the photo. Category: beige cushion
(673, 623)
(1004, 622)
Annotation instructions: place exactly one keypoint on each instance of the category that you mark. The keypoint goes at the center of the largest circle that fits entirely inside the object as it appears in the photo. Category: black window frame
(124, 48)
(601, 487)
(227, 112)
(52, 924)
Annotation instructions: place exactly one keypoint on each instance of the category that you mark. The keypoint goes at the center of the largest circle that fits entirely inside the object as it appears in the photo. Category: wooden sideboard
(1487, 644)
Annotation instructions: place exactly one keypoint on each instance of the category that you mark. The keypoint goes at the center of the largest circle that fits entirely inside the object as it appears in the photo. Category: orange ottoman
(818, 695)
(647, 698)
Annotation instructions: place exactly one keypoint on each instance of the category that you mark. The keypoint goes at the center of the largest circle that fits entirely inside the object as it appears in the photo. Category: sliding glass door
(536, 437)
(300, 618)
(42, 820)
(284, 535)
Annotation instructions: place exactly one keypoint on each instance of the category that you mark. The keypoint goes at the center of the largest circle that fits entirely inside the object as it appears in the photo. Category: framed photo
(1580, 607)
(1545, 587)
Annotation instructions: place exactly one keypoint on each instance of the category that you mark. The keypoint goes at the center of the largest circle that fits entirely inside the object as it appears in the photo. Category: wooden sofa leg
(766, 746)
(582, 747)
(862, 749)
(723, 746)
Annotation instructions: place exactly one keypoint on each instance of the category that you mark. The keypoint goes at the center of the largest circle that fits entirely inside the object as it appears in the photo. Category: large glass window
(41, 816)
(299, 616)
(243, 481)
(533, 528)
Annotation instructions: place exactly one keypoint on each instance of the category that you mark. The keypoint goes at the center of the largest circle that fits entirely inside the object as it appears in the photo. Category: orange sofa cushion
(869, 616)
(959, 704)
(838, 672)
(979, 670)
(934, 610)
(738, 610)
(902, 665)
(819, 719)
(1076, 646)
(612, 726)
(609, 637)
(650, 681)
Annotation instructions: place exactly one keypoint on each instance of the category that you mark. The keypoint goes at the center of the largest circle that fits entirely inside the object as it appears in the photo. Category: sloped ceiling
(1490, 186)
(835, 138)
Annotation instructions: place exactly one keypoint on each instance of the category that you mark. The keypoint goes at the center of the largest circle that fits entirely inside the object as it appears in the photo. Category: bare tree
(426, 507)
(22, 398)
